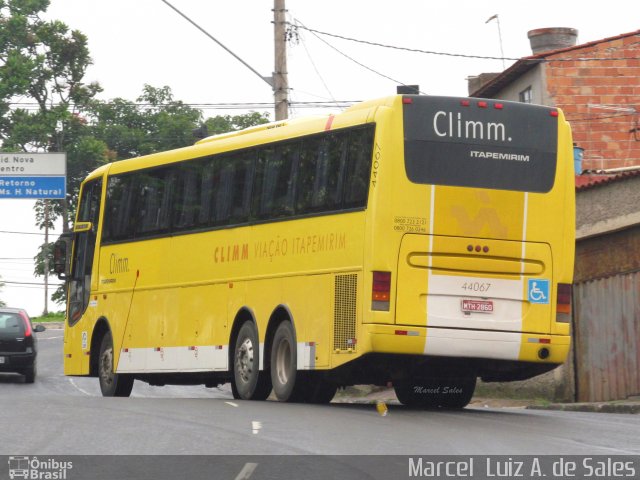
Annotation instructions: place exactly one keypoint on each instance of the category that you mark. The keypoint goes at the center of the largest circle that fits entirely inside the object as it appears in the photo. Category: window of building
(526, 96)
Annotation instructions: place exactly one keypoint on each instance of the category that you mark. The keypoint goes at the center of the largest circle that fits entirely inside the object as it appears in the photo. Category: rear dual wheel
(453, 392)
(289, 384)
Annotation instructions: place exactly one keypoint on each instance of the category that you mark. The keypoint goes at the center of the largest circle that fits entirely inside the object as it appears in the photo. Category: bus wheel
(248, 383)
(320, 390)
(111, 384)
(460, 392)
(288, 384)
(452, 392)
(413, 394)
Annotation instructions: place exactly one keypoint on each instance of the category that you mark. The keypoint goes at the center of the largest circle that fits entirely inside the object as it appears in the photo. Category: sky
(133, 43)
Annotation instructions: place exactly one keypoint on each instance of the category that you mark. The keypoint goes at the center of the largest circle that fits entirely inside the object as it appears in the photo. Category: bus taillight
(381, 291)
(563, 309)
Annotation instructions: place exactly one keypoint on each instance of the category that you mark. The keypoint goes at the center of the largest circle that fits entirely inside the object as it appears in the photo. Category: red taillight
(465, 103)
(27, 325)
(381, 291)
(407, 100)
(553, 113)
(564, 298)
(483, 104)
(563, 307)
(498, 106)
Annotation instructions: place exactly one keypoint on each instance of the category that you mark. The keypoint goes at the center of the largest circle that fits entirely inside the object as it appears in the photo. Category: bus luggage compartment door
(474, 283)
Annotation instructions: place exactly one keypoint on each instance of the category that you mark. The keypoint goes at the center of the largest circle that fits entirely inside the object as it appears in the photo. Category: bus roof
(358, 113)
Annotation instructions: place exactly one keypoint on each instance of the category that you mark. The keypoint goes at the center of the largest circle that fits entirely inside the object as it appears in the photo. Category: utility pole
(46, 258)
(280, 81)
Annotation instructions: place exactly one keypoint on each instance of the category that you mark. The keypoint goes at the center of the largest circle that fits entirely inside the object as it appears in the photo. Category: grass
(50, 317)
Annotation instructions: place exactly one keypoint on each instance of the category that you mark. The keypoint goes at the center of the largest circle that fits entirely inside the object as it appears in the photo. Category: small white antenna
(497, 19)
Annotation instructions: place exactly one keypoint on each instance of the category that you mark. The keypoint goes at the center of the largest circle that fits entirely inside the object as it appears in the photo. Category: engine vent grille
(345, 312)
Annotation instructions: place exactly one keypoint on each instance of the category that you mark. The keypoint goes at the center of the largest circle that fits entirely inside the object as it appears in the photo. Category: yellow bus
(413, 240)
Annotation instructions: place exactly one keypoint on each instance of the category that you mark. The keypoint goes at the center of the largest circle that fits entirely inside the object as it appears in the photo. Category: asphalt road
(61, 415)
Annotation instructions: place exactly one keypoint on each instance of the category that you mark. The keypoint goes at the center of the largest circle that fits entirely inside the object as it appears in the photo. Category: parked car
(18, 344)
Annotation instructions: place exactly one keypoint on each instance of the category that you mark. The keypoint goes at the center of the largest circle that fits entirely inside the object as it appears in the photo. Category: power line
(21, 233)
(314, 32)
(313, 64)
(458, 55)
(31, 283)
(213, 106)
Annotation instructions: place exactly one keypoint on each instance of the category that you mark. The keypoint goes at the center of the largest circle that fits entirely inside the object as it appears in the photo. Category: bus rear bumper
(449, 342)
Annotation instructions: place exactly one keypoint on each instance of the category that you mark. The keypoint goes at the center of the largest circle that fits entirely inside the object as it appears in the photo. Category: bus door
(80, 283)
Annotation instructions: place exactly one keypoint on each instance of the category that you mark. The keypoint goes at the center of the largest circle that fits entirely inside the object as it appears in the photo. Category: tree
(227, 123)
(45, 105)
(43, 63)
(153, 123)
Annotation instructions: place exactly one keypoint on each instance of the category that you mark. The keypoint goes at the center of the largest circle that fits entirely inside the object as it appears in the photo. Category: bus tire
(111, 384)
(452, 392)
(462, 395)
(288, 384)
(248, 383)
(321, 391)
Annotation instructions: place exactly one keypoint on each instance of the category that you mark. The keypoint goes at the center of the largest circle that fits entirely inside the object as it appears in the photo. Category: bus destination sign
(33, 175)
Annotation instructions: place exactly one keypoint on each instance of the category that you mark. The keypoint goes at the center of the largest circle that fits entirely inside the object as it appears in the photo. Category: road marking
(80, 389)
(246, 471)
(256, 426)
(232, 404)
(49, 338)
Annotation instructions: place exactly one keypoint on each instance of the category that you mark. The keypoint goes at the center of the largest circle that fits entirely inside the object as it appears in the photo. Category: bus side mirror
(61, 257)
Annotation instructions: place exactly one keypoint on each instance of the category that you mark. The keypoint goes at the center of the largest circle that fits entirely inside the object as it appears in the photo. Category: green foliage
(228, 123)
(155, 122)
(50, 317)
(43, 63)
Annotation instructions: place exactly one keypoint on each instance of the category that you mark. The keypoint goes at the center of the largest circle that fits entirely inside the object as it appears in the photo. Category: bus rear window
(480, 143)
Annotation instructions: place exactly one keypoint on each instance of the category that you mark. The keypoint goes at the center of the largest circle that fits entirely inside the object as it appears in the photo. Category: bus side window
(358, 167)
(186, 200)
(119, 217)
(307, 166)
(154, 200)
(273, 182)
(233, 197)
(329, 177)
(281, 179)
(209, 183)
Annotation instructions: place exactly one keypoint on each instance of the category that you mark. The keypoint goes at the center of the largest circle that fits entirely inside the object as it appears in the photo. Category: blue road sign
(33, 187)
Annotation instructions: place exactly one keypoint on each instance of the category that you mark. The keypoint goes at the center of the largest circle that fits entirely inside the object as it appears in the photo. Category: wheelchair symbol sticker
(538, 291)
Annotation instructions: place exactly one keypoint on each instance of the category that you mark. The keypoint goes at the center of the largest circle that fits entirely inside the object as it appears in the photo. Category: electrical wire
(213, 106)
(32, 283)
(315, 68)
(457, 55)
(315, 33)
(22, 233)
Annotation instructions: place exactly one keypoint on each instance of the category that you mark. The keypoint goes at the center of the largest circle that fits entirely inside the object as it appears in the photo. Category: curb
(629, 408)
(51, 325)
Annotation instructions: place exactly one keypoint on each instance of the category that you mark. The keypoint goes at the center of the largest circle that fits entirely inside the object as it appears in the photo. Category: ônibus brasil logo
(35, 469)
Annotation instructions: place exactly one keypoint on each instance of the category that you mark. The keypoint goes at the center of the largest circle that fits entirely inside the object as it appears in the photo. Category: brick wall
(601, 99)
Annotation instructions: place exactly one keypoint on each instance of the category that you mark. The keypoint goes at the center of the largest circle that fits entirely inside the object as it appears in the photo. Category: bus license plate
(477, 306)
